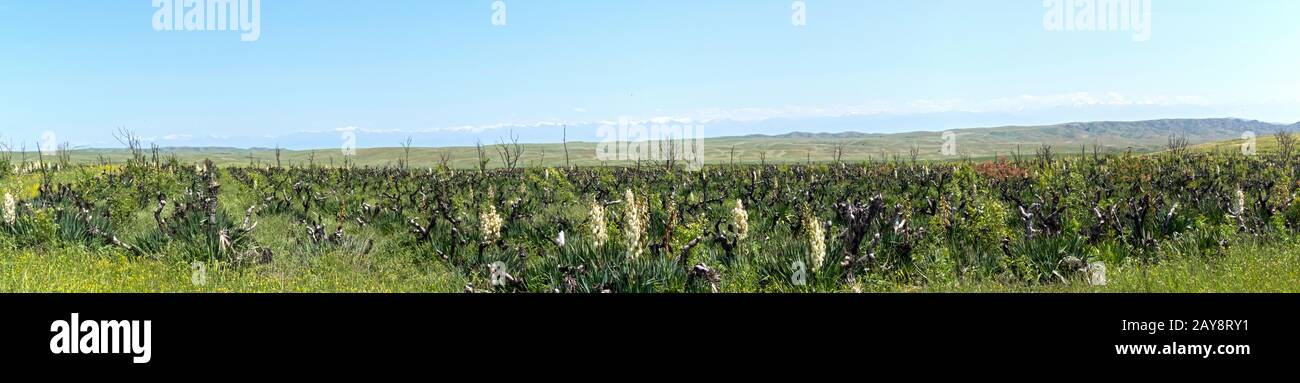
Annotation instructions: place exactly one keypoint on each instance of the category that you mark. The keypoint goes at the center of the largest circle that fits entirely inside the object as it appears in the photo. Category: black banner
(361, 331)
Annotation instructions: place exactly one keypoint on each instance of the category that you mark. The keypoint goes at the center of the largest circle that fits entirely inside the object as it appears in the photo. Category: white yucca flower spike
(490, 224)
(10, 210)
(1241, 201)
(634, 225)
(596, 222)
(816, 241)
(740, 218)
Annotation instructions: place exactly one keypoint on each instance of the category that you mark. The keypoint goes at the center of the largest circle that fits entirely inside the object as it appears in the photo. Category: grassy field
(793, 148)
(1250, 268)
(747, 150)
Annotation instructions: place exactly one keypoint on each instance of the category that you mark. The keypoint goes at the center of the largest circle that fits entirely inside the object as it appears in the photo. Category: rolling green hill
(1138, 136)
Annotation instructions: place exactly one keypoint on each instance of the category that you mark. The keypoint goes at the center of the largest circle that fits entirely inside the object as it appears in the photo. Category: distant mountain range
(324, 137)
(1194, 129)
(1112, 136)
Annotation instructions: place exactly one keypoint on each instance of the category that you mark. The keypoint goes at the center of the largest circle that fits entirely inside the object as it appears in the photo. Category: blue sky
(81, 68)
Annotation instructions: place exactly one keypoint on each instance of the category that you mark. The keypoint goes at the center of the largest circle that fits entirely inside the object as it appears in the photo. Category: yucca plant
(1045, 259)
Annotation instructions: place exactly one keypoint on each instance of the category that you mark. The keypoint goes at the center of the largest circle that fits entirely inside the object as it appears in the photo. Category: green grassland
(740, 150)
(1272, 268)
(724, 150)
(793, 148)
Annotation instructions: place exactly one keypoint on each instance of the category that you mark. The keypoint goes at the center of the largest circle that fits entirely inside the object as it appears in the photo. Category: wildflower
(634, 230)
(597, 223)
(740, 218)
(490, 224)
(816, 241)
(10, 213)
(559, 240)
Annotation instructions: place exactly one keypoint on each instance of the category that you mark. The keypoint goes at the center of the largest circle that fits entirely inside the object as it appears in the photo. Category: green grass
(1252, 268)
(79, 270)
(1248, 269)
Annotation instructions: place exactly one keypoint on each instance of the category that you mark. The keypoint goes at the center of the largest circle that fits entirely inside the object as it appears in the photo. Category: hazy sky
(80, 68)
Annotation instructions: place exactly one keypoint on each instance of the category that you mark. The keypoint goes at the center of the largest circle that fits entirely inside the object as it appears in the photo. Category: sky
(443, 71)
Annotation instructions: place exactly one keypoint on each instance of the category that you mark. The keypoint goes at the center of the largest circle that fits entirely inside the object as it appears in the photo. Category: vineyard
(1180, 220)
